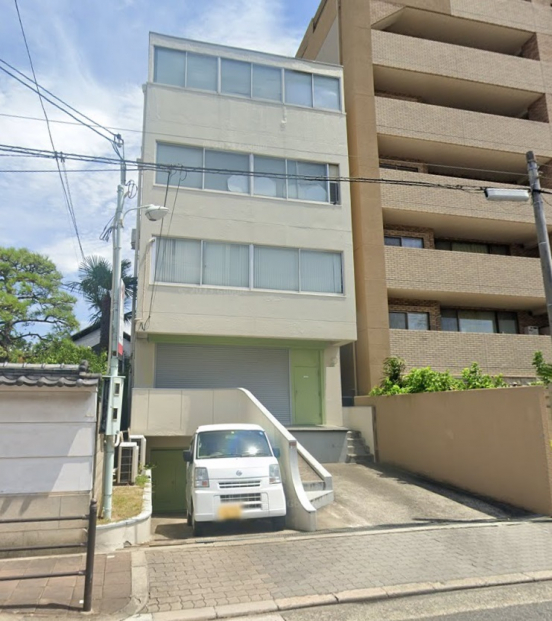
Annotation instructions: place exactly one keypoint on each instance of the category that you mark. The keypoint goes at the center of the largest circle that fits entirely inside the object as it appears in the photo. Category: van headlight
(201, 477)
(274, 474)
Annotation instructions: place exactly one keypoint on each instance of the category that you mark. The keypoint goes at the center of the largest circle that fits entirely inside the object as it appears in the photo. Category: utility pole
(116, 383)
(542, 231)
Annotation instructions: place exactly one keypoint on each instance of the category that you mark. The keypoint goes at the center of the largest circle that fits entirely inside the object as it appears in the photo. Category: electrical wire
(64, 184)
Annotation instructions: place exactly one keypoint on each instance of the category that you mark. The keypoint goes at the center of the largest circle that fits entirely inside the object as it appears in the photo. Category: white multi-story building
(248, 281)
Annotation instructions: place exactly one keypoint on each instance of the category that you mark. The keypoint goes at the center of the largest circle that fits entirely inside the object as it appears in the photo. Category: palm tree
(94, 284)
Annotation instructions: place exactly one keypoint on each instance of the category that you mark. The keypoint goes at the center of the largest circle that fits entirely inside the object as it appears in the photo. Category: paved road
(219, 573)
(377, 495)
(532, 602)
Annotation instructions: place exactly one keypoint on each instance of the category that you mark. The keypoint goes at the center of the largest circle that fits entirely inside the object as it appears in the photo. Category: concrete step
(321, 498)
(313, 486)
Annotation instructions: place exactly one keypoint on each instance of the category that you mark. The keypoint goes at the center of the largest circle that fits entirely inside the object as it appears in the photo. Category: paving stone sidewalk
(62, 597)
(217, 574)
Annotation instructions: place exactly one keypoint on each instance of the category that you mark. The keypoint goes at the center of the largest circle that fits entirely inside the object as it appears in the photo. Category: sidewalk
(62, 597)
(218, 579)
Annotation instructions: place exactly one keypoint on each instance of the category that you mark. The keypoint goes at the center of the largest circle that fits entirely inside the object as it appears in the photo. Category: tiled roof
(49, 375)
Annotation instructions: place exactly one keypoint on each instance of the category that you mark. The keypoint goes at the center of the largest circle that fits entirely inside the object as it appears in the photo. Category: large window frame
(331, 174)
(157, 249)
(316, 80)
(409, 317)
(454, 315)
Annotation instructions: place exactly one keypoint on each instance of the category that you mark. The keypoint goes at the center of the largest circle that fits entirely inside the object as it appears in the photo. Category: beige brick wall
(453, 61)
(461, 127)
(509, 354)
(445, 271)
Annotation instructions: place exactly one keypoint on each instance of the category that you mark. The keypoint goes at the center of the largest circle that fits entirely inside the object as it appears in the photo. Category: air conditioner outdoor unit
(128, 463)
(141, 442)
(534, 330)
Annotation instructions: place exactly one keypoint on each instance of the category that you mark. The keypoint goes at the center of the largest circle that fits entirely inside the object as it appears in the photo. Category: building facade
(248, 281)
(438, 94)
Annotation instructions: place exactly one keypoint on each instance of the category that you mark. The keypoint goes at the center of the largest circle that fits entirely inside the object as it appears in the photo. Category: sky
(93, 55)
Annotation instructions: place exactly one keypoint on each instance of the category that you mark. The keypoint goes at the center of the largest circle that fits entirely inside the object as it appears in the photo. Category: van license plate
(230, 512)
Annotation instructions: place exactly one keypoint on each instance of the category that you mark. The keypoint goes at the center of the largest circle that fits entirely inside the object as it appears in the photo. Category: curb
(269, 607)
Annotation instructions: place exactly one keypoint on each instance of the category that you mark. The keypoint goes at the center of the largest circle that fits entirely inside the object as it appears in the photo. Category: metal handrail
(90, 545)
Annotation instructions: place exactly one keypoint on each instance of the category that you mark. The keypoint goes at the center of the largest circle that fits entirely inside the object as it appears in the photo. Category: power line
(64, 184)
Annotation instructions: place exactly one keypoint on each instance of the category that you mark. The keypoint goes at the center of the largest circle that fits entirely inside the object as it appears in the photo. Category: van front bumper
(254, 503)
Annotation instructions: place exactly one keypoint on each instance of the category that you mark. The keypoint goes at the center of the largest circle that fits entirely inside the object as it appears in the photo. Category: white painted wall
(229, 123)
(47, 440)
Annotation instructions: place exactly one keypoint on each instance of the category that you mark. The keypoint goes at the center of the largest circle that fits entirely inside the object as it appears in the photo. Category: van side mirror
(276, 452)
(187, 455)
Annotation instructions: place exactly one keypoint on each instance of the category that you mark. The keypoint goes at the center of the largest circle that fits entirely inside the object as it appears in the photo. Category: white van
(232, 474)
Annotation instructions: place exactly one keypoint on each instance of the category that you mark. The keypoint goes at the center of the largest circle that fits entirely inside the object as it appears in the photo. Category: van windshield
(232, 443)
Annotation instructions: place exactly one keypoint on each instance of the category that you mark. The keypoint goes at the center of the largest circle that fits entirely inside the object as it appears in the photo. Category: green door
(306, 385)
(168, 481)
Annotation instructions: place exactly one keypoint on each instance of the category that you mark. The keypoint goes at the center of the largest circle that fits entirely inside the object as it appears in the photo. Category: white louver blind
(265, 372)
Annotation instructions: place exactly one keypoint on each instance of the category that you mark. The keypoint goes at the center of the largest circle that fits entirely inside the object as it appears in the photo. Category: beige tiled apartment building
(443, 93)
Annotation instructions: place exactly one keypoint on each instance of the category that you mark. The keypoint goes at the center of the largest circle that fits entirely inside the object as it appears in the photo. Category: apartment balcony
(454, 213)
(449, 137)
(508, 354)
(464, 278)
(454, 76)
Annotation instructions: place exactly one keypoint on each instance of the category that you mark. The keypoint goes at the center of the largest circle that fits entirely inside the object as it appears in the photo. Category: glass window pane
(397, 320)
(326, 93)
(418, 321)
(477, 321)
(269, 185)
(441, 244)
(499, 249)
(307, 189)
(235, 77)
(169, 67)
(321, 271)
(413, 242)
(232, 164)
(507, 323)
(392, 241)
(298, 88)
(335, 193)
(202, 72)
(267, 83)
(449, 321)
(184, 156)
(470, 247)
(226, 265)
(178, 261)
(276, 268)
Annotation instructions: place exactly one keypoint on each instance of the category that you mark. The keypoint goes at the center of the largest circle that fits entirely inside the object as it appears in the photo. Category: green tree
(33, 306)
(64, 351)
(543, 369)
(94, 284)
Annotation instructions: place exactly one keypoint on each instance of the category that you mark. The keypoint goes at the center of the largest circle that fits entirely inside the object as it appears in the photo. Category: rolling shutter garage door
(265, 372)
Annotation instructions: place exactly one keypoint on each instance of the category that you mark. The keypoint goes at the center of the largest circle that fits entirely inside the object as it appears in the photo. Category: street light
(540, 222)
(154, 213)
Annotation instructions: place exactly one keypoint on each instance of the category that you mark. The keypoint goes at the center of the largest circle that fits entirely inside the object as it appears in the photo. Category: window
(321, 271)
(273, 177)
(225, 265)
(202, 72)
(230, 165)
(326, 93)
(267, 83)
(455, 246)
(243, 79)
(182, 156)
(299, 88)
(169, 67)
(178, 261)
(196, 262)
(274, 183)
(406, 242)
(408, 321)
(488, 322)
(235, 77)
(311, 188)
